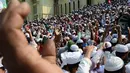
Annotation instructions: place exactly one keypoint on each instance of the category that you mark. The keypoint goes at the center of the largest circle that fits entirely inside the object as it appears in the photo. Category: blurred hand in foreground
(19, 57)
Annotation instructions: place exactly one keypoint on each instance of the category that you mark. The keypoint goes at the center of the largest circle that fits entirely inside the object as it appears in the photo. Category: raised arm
(119, 34)
(86, 63)
(105, 33)
(30, 34)
(92, 32)
(19, 57)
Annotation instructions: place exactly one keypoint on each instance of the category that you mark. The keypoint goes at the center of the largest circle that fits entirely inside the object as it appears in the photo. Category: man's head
(108, 46)
(122, 51)
(113, 64)
(80, 43)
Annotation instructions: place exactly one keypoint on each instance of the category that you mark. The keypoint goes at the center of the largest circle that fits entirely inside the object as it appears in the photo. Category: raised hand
(19, 57)
(88, 50)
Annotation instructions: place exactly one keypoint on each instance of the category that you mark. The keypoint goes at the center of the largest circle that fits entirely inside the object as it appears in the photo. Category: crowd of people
(88, 40)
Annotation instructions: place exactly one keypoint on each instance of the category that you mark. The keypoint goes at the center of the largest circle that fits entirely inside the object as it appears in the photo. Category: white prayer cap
(79, 41)
(74, 48)
(121, 48)
(68, 33)
(38, 39)
(85, 24)
(101, 30)
(128, 45)
(71, 57)
(127, 68)
(108, 44)
(123, 36)
(114, 40)
(27, 35)
(113, 63)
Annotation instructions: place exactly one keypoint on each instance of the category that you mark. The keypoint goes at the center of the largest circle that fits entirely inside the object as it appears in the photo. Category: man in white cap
(86, 63)
(114, 41)
(128, 45)
(107, 47)
(113, 64)
(127, 68)
(71, 59)
(122, 52)
(80, 43)
(30, 38)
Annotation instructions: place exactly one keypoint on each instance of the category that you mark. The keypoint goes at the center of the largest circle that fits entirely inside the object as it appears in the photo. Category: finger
(24, 9)
(18, 13)
(49, 51)
(13, 3)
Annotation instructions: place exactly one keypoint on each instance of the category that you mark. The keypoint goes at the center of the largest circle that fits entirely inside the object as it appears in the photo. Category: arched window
(73, 5)
(69, 7)
(61, 9)
(89, 2)
(78, 4)
(65, 8)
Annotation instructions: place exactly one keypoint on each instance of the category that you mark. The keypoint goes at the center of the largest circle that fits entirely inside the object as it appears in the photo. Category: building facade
(48, 8)
(67, 6)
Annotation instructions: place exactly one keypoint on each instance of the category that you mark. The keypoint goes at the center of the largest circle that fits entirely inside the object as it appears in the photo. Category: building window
(86, 2)
(89, 2)
(73, 5)
(69, 7)
(65, 8)
(78, 4)
(35, 9)
(61, 9)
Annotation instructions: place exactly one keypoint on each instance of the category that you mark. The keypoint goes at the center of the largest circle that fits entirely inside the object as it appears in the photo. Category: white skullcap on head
(74, 48)
(85, 24)
(101, 30)
(38, 39)
(128, 45)
(68, 33)
(108, 44)
(27, 35)
(121, 48)
(114, 40)
(79, 41)
(113, 63)
(123, 36)
(127, 68)
(71, 57)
